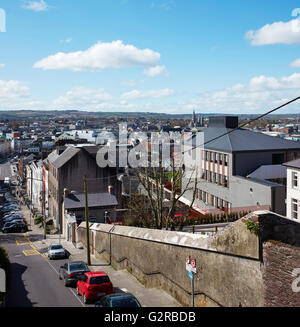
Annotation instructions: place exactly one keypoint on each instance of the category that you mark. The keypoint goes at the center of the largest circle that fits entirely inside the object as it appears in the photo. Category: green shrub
(38, 220)
(252, 227)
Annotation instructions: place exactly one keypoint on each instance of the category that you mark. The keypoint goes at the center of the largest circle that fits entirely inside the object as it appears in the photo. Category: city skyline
(152, 56)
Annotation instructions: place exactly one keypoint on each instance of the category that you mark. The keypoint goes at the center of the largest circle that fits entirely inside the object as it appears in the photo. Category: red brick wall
(279, 261)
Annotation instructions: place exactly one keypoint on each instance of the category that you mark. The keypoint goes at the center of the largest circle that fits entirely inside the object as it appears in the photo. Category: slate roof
(77, 200)
(269, 172)
(59, 160)
(293, 164)
(244, 140)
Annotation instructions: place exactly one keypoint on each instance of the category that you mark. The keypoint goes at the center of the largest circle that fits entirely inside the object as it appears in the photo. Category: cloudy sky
(168, 56)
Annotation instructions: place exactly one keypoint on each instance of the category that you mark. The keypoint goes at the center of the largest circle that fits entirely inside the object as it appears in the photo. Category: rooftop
(269, 172)
(293, 164)
(77, 200)
(219, 137)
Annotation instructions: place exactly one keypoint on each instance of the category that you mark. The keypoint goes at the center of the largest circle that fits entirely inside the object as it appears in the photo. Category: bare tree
(164, 207)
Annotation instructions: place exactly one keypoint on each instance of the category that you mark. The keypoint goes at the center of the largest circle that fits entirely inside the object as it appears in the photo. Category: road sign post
(192, 269)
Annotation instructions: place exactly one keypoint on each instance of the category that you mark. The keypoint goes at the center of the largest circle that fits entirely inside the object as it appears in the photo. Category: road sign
(191, 275)
(189, 267)
(193, 263)
(188, 260)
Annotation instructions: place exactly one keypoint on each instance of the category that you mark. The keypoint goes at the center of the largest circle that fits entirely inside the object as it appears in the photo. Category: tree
(163, 206)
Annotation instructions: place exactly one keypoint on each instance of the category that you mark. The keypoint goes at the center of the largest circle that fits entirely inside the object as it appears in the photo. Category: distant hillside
(41, 114)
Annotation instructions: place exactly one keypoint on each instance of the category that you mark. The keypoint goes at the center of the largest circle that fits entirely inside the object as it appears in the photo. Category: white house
(34, 174)
(293, 189)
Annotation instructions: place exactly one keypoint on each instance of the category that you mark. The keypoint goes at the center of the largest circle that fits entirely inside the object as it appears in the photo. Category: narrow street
(35, 281)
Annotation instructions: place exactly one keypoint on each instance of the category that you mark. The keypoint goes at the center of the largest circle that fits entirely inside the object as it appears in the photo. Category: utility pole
(31, 195)
(44, 213)
(87, 222)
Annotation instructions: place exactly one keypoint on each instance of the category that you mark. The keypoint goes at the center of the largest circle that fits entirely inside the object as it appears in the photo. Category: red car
(94, 285)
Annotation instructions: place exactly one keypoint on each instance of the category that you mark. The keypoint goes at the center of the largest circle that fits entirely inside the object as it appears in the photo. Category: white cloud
(82, 98)
(167, 5)
(36, 5)
(99, 56)
(67, 40)
(156, 71)
(130, 82)
(135, 94)
(2, 66)
(13, 90)
(295, 63)
(15, 95)
(276, 33)
(260, 94)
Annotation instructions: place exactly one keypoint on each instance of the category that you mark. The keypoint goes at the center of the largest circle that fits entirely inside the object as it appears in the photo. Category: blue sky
(171, 56)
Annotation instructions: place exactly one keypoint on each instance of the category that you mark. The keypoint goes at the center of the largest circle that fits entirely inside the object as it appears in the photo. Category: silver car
(56, 251)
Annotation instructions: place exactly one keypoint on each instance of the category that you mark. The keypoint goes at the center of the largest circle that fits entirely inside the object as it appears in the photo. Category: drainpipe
(110, 254)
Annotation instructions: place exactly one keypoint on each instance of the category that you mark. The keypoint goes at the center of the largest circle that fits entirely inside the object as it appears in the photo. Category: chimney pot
(110, 189)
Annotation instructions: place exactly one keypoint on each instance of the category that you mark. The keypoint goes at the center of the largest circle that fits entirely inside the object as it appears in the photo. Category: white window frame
(294, 179)
(294, 202)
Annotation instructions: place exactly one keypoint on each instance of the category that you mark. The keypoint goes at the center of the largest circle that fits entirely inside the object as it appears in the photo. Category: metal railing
(205, 228)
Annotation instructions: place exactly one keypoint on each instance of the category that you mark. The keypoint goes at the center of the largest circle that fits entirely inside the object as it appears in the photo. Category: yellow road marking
(21, 241)
(31, 252)
(35, 250)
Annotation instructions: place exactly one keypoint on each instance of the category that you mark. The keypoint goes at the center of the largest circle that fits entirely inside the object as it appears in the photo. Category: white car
(56, 251)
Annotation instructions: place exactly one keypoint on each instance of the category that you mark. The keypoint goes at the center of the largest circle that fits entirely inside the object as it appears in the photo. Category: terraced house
(228, 160)
(67, 167)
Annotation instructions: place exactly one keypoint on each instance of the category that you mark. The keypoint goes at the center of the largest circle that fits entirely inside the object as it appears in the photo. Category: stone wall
(280, 261)
(234, 267)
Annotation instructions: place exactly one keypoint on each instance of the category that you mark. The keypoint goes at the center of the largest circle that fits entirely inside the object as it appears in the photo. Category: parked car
(9, 204)
(119, 300)
(12, 213)
(16, 227)
(8, 208)
(94, 285)
(71, 272)
(56, 251)
(14, 219)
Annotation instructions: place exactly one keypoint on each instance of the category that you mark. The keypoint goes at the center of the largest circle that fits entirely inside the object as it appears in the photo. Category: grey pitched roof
(269, 172)
(52, 156)
(244, 140)
(293, 163)
(77, 200)
(63, 158)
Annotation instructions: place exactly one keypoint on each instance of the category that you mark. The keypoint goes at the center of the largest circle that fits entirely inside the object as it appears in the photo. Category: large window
(225, 181)
(294, 179)
(216, 178)
(226, 159)
(220, 158)
(204, 197)
(216, 157)
(220, 179)
(294, 208)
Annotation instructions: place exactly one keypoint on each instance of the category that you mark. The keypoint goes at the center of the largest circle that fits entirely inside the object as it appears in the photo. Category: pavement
(122, 280)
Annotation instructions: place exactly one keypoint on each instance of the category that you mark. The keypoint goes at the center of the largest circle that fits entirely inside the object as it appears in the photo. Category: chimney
(110, 189)
(66, 192)
(224, 121)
